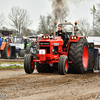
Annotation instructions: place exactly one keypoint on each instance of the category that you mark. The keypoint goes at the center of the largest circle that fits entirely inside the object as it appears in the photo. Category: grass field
(11, 66)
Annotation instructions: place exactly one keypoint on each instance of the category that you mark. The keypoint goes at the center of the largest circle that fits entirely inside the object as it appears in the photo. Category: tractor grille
(44, 43)
(47, 48)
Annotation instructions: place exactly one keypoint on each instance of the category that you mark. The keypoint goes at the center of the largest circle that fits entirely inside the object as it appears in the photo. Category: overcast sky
(42, 7)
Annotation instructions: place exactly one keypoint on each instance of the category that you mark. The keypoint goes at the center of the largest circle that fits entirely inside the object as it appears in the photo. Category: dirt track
(20, 86)
(11, 60)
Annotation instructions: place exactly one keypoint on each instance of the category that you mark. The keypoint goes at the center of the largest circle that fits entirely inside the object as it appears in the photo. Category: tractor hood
(51, 42)
(17, 45)
(49, 48)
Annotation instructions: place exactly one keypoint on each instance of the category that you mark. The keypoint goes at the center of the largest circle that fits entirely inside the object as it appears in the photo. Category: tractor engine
(49, 49)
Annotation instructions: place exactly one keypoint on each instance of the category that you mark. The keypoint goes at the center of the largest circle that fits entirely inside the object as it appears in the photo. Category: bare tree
(20, 19)
(46, 24)
(2, 20)
(97, 20)
(84, 27)
(28, 32)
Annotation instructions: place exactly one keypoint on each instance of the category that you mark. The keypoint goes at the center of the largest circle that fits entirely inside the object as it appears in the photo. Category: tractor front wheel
(29, 64)
(63, 65)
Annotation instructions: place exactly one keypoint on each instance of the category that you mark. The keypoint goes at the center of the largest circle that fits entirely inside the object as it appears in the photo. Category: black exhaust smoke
(59, 8)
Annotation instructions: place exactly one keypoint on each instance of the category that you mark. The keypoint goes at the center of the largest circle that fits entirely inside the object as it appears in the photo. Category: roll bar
(68, 23)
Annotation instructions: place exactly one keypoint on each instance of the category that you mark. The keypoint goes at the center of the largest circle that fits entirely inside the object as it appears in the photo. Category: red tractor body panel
(73, 39)
(46, 50)
(46, 47)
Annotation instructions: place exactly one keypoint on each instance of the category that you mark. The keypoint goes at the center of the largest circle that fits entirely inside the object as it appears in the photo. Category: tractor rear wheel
(63, 65)
(79, 55)
(29, 64)
(44, 68)
(6, 53)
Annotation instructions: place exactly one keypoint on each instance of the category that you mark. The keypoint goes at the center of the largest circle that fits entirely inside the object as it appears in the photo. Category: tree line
(46, 23)
(20, 21)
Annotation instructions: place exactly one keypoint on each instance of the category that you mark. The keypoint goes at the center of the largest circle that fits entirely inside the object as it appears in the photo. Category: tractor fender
(3, 46)
(71, 39)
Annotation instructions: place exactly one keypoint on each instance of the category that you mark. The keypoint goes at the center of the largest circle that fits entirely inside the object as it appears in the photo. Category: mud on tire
(79, 55)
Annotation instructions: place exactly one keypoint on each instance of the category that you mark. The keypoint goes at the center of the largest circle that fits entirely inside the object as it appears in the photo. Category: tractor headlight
(46, 37)
(72, 37)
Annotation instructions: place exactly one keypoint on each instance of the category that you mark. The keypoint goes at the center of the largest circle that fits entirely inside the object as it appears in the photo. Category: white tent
(94, 39)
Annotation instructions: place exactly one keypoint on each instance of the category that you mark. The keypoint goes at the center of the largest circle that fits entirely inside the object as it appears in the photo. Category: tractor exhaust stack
(55, 23)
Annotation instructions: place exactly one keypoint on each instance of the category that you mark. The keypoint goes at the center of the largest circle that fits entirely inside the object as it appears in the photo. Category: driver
(63, 35)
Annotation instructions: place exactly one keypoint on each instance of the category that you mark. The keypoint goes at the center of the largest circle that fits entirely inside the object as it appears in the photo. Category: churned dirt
(11, 60)
(18, 85)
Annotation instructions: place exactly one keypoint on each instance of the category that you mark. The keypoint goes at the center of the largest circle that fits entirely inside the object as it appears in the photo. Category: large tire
(6, 53)
(29, 64)
(22, 53)
(44, 68)
(63, 65)
(27, 49)
(13, 53)
(79, 55)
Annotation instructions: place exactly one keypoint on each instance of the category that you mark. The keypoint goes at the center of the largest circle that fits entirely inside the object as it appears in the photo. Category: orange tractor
(51, 55)
(6, 50)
